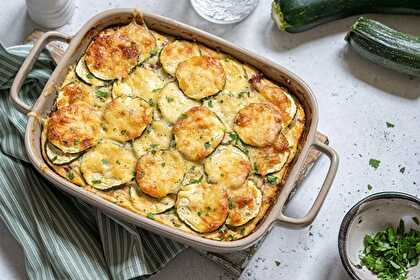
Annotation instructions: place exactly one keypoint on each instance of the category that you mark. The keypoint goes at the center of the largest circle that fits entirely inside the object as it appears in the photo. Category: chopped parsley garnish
(374, 163)
(77, 142)
(90, 76)
(199, 213)
(271, 179)
(196, 181)
(151, 102)
(95, 182)
(70, 175)
(150, 216)
(389, 253)
(169, 99)
(402, 170)
(183, 116)
(118, 162)
(207, 145)
(388, 124)
(124, 132)
(163, 164)
(230, 203)
(210, 103)
(233, 137)
(141, 174)
(105, 161)
(101, 94)
(369, 186)
(54, 158)
(277, 263)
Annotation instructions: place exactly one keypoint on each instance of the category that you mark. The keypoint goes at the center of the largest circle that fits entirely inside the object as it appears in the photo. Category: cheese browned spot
(200, 77)
(108, 164)
(294, 132)
(244, 204)
(146, 204)
(228, 166)
(125, 118)
(258, 124)
(278, 96)
(176, 52)
(142, 37)
(202, 206)
(74, 128)
(272, 158)
(197, 133)
(172, 102)
(111, 55)
(160, 173)
(74, 92)
(84, 74)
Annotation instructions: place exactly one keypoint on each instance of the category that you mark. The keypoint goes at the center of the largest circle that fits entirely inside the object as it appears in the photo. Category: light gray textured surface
(355, 98)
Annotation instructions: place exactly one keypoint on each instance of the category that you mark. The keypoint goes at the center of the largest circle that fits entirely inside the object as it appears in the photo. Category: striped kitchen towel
(62, 237)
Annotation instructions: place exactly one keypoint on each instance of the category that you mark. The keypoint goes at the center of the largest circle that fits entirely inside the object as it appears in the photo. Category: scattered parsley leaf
(169, 99)
(369, 186)
(210, 103)
(77, 142)
(90, 76)
(374, 163)
(402, 170)
(207, 145)
(151, 216)
(277, 263)
(183, 116)
(105, 161)
(230, 203)
(70, 175)
(196, 181)
(388, 124)
(101, 94)
(271, 179)
(95, 182)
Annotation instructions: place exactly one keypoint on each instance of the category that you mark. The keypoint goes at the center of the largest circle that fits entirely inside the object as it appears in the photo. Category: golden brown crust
(160, 173)
(144, 40)
(202, 206)
(258, 124)
(111, 55)
(200, 77)
(74, 128)
(198, 132)
(125, 118)
(175, 53)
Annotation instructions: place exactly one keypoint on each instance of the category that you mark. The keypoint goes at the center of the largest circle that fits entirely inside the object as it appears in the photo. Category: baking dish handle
(316, 206)
(29, 63)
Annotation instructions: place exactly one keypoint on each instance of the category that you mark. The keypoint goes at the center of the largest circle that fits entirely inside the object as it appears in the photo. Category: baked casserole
(175, 131)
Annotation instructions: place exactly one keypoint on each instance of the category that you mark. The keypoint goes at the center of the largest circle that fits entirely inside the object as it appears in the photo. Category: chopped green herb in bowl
(391, 252)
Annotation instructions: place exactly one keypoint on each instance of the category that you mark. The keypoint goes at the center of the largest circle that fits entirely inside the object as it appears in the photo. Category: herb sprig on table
(389, 253)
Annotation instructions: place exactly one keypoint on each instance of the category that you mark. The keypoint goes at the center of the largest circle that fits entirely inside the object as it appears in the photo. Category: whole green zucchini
(385, 46)
(300, 15)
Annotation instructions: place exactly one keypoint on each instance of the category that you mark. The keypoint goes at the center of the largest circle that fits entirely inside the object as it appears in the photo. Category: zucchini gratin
(174, 131)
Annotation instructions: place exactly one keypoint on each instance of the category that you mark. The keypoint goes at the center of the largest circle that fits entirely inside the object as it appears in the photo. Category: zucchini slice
(385, 46)
(146, 204)
(157, 136)
(175, 53)
(56, 156)
(84, 74)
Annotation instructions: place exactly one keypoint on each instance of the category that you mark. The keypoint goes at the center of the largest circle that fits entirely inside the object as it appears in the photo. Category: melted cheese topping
(197, 133)
(272, 158)
(125, 118)
(160, 173)
(111, 55)
(244, 204)
(146, 204)
(228, 166)
(236, 79)
(172, 102)
(143, 82)
(142, 37)
(175, 53)
(200, 77)
(279, 97)
(107, 165)
(130, 112)
(156, 137)
(74, 128)
(258, 124)
(202, 206)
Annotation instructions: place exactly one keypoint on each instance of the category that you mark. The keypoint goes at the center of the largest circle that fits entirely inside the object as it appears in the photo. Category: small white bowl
(370, 215)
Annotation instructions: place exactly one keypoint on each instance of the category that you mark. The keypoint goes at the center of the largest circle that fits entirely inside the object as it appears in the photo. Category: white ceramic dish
(368, 216)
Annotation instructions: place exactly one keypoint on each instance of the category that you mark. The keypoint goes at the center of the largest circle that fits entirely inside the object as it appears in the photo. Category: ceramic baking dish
(79, 42)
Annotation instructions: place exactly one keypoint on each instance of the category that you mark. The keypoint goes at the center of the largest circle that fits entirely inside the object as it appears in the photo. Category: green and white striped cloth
(62, 237)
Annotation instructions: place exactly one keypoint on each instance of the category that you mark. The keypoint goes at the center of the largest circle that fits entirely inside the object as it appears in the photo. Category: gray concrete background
(356, 99)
